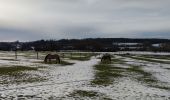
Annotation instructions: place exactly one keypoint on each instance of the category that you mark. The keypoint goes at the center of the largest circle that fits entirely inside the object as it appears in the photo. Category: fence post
(37, 55)
(15, 54)
(63, 55)
(80, 55)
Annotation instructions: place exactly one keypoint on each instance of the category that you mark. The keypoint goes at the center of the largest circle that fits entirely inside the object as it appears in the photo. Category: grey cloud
(8, 34)
(58, 19)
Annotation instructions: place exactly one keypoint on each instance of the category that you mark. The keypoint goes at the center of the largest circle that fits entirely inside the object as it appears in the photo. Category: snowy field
(130, 76)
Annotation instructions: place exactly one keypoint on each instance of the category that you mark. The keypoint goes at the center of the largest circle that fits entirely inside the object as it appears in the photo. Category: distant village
(94, 45)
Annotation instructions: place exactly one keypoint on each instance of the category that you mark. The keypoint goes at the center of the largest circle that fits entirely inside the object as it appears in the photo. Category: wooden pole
(63, 55)
(15, 54)
(80, 55)
(37, 55)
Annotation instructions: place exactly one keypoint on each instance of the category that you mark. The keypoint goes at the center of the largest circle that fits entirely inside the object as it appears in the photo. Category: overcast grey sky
(27, 20)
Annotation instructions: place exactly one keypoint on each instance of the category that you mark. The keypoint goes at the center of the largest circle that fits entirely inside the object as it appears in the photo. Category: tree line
(90, 44)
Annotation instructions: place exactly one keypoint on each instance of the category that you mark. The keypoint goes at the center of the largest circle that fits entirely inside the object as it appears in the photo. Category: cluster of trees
(52, 45)
(5, 46)
(98, 44)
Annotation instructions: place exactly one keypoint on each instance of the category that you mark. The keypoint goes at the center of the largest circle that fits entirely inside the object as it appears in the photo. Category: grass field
(83, 76)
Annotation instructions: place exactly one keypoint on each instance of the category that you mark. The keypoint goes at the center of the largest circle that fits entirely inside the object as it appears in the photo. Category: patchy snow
(158, 70)
(156, 59)
(142, 53)
(63, 80)
(121, 65)
(128, 89)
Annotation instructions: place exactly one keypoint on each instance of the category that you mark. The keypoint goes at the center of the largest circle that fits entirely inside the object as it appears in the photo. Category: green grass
(148, 59)
(161, 87)
(31, 80)
(22, 78)
(117, 61)
(82, 56)
(16, 74)
(66, 63)
(63, 63)
(15, 69)
(80, 94)
(146, 78)
(105, 74)
(166, 57)
(84, 93)
(167, 68)
(10, 59)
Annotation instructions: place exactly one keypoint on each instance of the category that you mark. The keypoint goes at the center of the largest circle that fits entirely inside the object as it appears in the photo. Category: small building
(128, 46)
(156, 45)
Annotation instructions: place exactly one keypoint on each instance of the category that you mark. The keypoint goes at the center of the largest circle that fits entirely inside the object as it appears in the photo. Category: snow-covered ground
(128, 88)
(159, 70)
(63, 80)
(142, 53)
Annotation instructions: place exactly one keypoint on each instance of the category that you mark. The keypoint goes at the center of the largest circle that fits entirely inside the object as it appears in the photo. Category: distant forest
(90, 44)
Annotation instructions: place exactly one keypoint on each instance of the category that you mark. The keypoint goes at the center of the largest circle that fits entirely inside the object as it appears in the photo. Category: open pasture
(141, 76)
